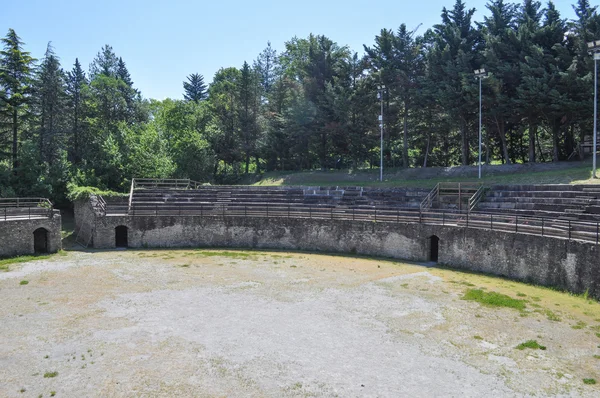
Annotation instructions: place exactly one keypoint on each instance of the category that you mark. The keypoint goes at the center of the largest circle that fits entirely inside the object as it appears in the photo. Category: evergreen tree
(106, 63)
(50, 99)
(194, 88)
(15, 79)
(77, 88)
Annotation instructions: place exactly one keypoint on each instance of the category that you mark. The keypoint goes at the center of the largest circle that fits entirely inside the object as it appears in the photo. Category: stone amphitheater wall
(559, 263)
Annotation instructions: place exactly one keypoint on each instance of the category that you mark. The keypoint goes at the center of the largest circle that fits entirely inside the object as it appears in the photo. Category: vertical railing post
(543, 222)
(420, 216)
(516, 224)
(467, 219)
(491, 222)
(375, 214)
(444, 218)
(569, 229)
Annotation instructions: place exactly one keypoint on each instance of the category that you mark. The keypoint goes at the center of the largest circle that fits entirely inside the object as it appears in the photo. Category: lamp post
(381, 90)
(594, 48)
(480, 74)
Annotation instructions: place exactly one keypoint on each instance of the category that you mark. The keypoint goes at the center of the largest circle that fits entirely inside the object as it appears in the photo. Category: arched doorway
(434, 247)
(40, 241)
(121, 236)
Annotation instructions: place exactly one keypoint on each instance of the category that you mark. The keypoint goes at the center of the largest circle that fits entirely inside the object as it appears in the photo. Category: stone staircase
(558, 201)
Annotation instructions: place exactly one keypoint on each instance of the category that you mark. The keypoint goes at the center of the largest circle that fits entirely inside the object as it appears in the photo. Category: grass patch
(229, 254)
(589, 381)
(184, 266)
(493, 299)
(521, 295)
(551, 316)
(579, 325)
(5, 263)
(532, 344)
(478, 337)
(49, 375)
(24, 283)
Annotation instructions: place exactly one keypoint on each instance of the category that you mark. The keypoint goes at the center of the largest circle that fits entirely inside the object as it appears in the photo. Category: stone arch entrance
(434, 248)
(40, 241)
(121, 236)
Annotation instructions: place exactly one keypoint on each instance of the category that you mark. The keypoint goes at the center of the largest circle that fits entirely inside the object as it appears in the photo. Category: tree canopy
(311, 106)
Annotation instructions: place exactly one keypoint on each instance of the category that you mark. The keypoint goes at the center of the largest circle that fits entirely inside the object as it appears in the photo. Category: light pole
(594, 47)
(480, 74)
(380, 91)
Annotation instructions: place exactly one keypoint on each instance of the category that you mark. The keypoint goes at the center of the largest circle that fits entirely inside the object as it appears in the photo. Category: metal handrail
(428, 201)
(476, 198)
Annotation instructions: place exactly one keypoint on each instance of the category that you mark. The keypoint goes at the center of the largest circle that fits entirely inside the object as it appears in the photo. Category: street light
(480, 74)
(594, 47)
(381, 90)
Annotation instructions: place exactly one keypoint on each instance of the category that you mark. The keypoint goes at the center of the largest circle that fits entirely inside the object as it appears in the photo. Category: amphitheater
(181, 314)
(545, 234)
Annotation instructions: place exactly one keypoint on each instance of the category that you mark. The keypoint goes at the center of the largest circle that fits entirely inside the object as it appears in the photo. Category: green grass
(579, 325)
(532, 344)
(230, 254)
(24, 283)
(493, 299)
(411, 178)
(478, 337)
(5, 263)
(49, 375)
(589, 381)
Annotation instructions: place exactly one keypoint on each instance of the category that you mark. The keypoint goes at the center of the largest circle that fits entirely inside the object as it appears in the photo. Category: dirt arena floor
(203, 323)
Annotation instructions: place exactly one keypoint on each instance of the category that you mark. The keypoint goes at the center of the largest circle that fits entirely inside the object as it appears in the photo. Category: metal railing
(572, 230)
(476, 198)
(427, 203)
(25, 208)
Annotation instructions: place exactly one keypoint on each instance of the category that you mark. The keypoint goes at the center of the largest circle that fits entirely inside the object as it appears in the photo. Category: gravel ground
(238, 324)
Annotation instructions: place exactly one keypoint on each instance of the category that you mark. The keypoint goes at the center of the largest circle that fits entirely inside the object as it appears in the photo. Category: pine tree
(195, 89)
(106, 63)
(266, 68)
(15, 77)
(50, 99)
(77, 85)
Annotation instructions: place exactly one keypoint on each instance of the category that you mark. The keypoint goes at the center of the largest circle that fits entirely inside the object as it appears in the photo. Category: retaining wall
(569, 265)
(16, 236)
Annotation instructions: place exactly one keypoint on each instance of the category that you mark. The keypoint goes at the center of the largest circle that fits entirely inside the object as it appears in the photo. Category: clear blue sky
(163, 41)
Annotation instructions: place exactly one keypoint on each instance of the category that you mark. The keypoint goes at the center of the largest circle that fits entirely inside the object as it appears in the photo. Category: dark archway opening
(434, 247)
(40, 241)
(121, 236)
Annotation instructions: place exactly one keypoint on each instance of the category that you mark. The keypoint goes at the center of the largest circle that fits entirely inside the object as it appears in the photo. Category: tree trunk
(555, 134)
(465, 143)
(427, 151)
(502, 135)
(532, 136)
(15, 141)
(405, 140)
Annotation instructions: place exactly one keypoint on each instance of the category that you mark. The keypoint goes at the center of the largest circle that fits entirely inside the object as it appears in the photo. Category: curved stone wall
(568, 265)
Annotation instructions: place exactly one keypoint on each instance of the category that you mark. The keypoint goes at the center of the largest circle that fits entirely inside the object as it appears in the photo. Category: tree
(106, 63)
(77, 93)
(50, 100)
(15, 77)
(195, 89)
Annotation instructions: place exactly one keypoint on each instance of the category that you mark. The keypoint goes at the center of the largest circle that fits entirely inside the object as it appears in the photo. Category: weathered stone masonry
(569, 265)
(16, 236)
